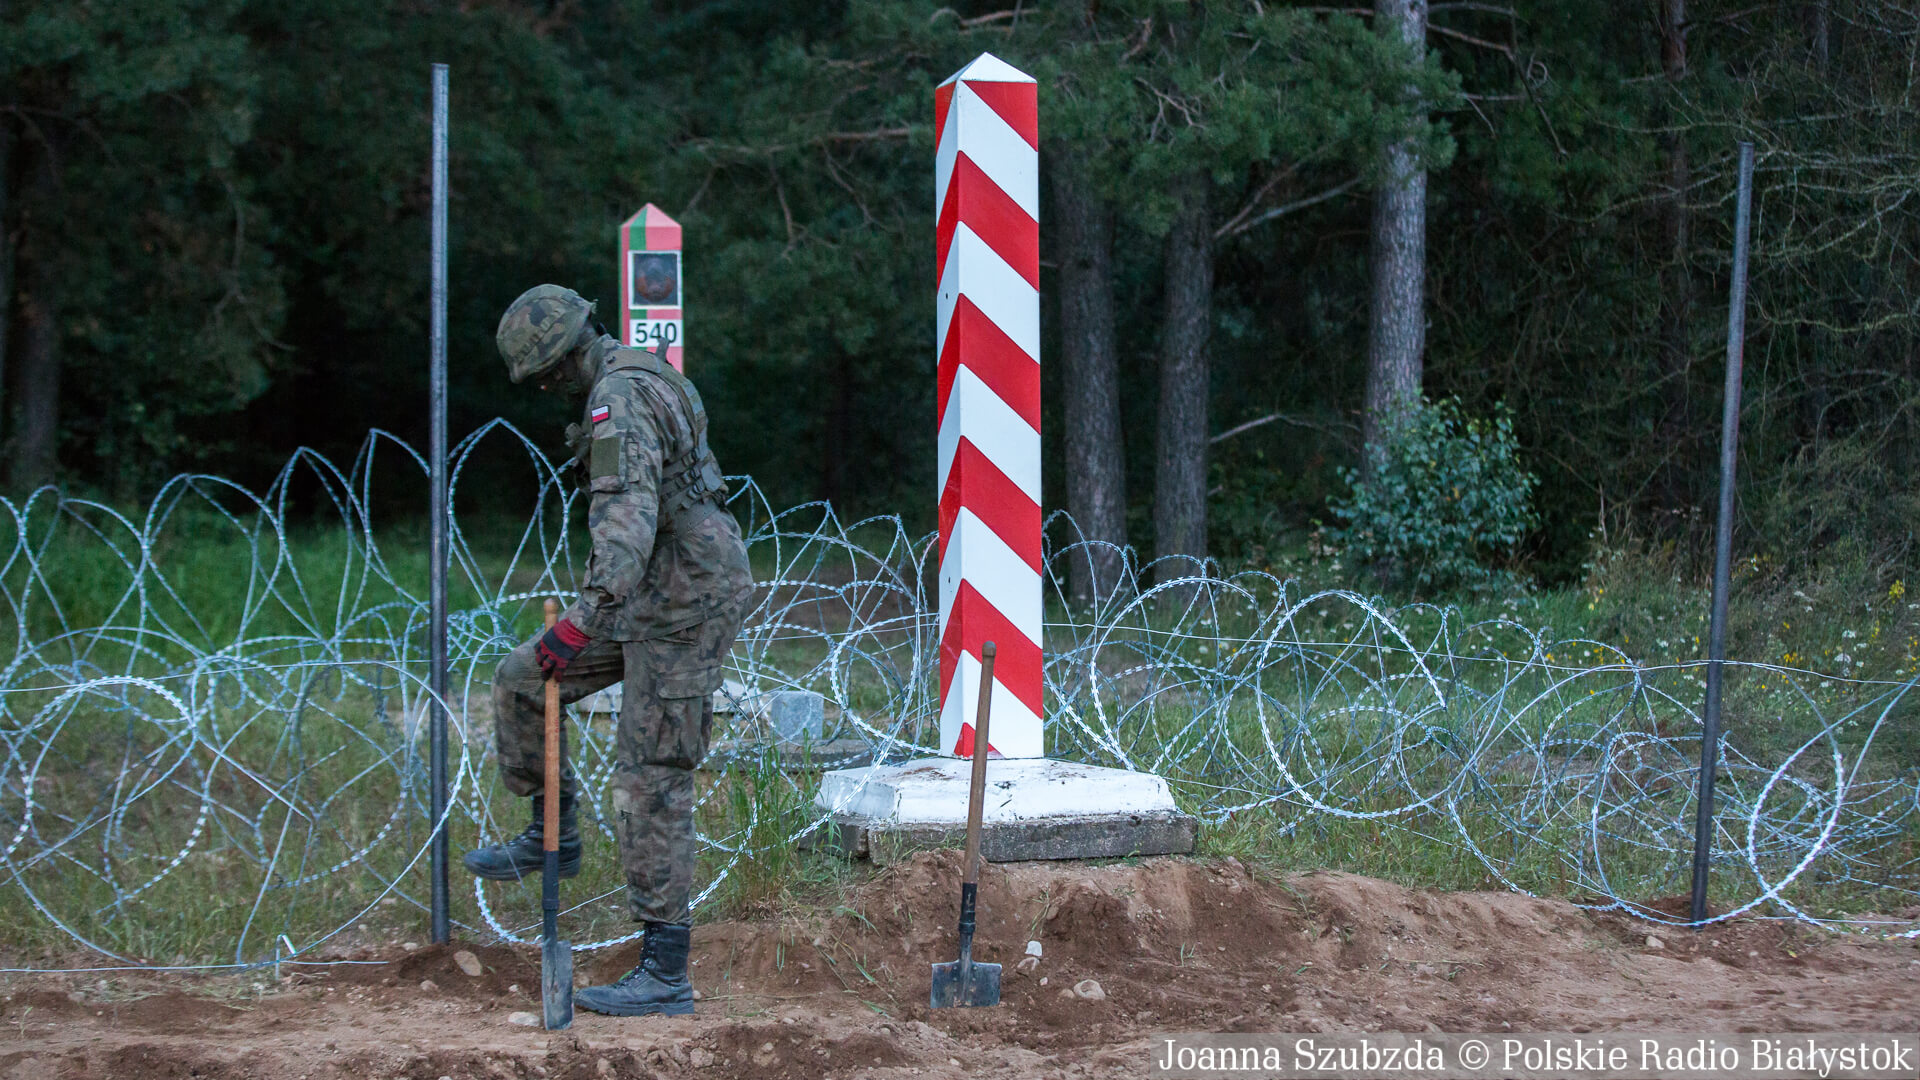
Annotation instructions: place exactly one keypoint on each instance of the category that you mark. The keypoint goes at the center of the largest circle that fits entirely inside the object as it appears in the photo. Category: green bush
(1444, 501)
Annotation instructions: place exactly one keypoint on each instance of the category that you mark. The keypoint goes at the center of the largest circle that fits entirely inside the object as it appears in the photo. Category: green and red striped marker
(650, 283)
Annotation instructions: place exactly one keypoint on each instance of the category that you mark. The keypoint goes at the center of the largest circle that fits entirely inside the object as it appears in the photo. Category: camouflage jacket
(667, 553)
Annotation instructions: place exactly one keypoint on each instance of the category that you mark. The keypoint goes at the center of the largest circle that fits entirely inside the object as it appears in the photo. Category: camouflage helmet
(539, 328)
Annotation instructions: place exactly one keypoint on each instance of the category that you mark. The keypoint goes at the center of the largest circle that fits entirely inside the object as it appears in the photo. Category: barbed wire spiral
(227, 696)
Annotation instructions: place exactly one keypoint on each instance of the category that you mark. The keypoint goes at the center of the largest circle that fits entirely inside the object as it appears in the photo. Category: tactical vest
(689, 481)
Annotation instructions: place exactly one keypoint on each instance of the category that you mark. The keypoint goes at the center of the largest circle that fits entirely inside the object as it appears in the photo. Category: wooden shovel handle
(550, 825)
(977, 787)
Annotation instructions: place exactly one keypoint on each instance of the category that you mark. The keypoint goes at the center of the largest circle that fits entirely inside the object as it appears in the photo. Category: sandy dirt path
(1174, 945)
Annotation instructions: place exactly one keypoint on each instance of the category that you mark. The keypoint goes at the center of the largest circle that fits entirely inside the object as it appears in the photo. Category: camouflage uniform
(667, 586)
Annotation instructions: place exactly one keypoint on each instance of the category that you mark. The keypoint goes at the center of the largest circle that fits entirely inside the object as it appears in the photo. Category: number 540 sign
(653, 333)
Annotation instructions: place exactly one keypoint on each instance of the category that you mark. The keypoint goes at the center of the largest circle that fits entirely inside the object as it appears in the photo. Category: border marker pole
(437, 554)
(986, 199)
(652, 299)
(987, 249)
(1723, 541)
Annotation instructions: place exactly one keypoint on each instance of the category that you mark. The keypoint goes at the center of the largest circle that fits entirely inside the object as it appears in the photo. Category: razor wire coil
(262, 721)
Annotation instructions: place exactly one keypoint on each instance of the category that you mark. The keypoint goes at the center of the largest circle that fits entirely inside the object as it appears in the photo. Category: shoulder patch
(600, 414)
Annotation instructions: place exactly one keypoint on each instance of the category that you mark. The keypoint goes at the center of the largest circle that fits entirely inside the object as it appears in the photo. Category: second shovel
(964, 982)
(556, 956)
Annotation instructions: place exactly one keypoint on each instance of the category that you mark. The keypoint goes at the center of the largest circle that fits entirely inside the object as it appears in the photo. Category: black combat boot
(511, 860)
(658, 985)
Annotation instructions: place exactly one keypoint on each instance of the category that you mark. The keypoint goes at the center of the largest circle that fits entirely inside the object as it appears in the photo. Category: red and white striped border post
(987, 188)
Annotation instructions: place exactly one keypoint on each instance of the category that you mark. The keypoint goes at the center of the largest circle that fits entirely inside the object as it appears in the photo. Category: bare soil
(1174, 944)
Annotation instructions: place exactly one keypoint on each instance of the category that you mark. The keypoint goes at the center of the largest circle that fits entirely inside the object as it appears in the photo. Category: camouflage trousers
(666, 721)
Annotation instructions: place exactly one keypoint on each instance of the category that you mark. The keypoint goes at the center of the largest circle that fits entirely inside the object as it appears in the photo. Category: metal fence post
(1723, 541)
(437, 555)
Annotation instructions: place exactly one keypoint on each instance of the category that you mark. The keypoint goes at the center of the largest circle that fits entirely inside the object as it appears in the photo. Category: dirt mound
(501, 967)
(1743, 941)
(1126, 950)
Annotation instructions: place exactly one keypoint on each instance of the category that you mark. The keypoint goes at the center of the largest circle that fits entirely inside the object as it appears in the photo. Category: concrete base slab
(791, 756)
(1092, 837)
(1034, 808)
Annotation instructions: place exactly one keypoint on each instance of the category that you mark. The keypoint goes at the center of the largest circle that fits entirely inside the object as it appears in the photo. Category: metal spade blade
(965, 983)
(556, 983)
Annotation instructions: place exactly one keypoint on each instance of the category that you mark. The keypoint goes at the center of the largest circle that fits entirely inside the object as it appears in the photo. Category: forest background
(1267, 229)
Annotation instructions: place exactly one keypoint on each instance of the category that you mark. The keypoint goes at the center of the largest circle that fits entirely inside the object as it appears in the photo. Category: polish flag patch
(601, 414)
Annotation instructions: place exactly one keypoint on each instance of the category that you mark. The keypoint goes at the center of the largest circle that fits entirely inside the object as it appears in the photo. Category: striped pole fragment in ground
(650, 292)
(987, 188)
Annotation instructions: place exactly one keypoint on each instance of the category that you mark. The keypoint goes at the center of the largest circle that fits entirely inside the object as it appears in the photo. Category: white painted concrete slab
(933, 791)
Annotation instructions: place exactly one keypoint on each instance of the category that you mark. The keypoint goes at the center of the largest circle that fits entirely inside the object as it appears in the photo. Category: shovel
(556, 956)
(965, 983)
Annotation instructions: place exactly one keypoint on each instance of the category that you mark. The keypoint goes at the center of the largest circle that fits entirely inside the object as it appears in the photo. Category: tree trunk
(36, 421)
(1817, 398)
(1096, 462)
(1822, 34)
(6, 255)
(1180, 475)
(836, 449)
(1397, 257)
(1820, 47)
(1676, 289)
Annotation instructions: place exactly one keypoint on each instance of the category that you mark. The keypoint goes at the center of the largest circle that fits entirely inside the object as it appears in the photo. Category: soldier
(667, 585)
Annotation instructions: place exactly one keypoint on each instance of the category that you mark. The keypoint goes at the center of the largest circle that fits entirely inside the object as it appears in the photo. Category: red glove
(558, 646)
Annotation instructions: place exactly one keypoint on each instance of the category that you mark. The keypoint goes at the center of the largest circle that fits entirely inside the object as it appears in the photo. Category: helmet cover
(540, 328)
